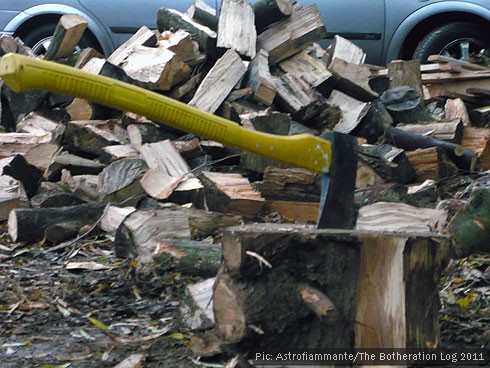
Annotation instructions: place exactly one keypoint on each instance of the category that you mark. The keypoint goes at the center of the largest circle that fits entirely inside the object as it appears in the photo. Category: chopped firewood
(456, 62)
(405, 73)
(343, 49)
(50, 194)
(110, 154)
(366, 176)
(260, 80)
(390, 216)
(292, 184)
(447, 130)
(296, 97)
(16, 104)
(389, 162)
(29, 175)
(268, 12)
(292, 35)
(67, 34)
(431, 163)
(293, 212)
(76, 165)
(85, 56)
(12, 144)
(311, 70)
(465, 159)
(236, 28)
(456, 109)
(404, 104)
(12, 196)
(172, 19)
(204, 14)
(140, 134)
(113, 217)
(196, 308)
(84, 187)
(352, 111)
(36, 124)
(480, 116)
(56, 224)
(143, 37)
(352, 79)
(478, 140)
(42, 155)
(141, 233)
(231, 193)
(180, 43)
(7, 45)
(91, 136)
(155, 68)
(219, 82)
(119, 183)
(186, 88)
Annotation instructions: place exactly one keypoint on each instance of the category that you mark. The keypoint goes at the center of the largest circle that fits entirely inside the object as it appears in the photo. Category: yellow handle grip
(21, 73)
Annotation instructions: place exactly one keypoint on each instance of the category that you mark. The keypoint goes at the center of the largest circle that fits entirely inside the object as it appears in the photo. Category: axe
(332, 154)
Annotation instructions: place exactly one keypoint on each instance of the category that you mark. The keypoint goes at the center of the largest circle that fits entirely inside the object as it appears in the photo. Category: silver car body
(381, 27)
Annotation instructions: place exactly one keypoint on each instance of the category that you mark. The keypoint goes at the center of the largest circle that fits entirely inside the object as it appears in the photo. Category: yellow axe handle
(21, 73)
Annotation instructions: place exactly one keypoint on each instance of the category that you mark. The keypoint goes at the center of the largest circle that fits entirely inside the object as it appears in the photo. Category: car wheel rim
(463, 48)
(41, 46)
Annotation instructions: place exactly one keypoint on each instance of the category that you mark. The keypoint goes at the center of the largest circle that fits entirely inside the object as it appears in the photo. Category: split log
(219, 82)
(155, 68)
(76, 165)
(140, 134)
(141, 233)
(296, 97)
(293, 34)
(204, 14)
(110, 154)
(292, 212)
(188, 88)
(292, 184)
(388, 162)
(42, 155)
(260, 80)
(113, 217)
(431, 164)
(67, 34)
(236, 28)
(258, 292)
(34, 123)
(196, 308)
(478, 140)
(353, 80)
(119, 182)
(405, 73)
(405, 105)
(143, 37)
(180, 43)
(172, 19)
(447, 130)
(311, 70)
(52, 194)
(12, 144)
(464, 159)
(12, 196)
(7, 45)
(480, 116)
(15, 104)
(400, 217)
(29, 175)
(268, 12)
(91, 136)
(55, 224)
(343, 49)
(85, 56)
(84, 187)
(231, 194)
(456, 109)
(352, 111)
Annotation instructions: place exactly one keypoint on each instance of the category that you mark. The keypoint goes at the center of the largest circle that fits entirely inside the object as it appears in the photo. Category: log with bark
(66, 37)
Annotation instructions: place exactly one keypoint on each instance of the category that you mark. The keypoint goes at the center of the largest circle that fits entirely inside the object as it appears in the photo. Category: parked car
(385, 29)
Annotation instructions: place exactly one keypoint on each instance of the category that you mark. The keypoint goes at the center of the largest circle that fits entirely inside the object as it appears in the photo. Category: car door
(361, 21)
(124, 17)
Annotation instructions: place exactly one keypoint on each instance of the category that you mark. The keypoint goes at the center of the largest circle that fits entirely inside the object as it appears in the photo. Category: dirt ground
(76, 305)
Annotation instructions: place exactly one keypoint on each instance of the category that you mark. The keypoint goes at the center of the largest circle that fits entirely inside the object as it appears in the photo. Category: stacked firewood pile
(73, 168)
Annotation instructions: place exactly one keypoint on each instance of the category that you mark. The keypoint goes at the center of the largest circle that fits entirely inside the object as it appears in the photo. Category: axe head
(337, 207)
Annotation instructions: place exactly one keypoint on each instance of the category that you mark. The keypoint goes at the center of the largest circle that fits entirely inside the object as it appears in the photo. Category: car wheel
(39, 38)
(458, 40)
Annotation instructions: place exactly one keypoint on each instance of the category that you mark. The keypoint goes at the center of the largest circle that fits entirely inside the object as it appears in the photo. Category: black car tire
(444, 40)
(34, 37)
